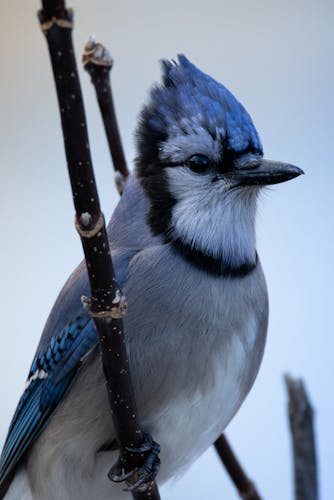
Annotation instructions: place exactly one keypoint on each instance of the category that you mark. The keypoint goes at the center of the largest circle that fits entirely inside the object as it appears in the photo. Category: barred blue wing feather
(51, 374)
(55, 365)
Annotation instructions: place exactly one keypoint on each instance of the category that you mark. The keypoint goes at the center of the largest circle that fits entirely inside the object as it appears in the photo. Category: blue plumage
(51, 373)
(55, 365)
(189, 98)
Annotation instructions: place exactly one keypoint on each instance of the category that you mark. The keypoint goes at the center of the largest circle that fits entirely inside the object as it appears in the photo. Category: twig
(98, 62)
(107, 304)
(303, 440)
(243, 484)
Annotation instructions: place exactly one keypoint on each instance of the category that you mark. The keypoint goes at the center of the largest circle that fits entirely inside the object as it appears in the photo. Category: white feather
(213, 218)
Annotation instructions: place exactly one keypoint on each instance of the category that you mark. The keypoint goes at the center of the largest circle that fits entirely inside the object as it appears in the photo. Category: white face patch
(211, 217)
(180, 146)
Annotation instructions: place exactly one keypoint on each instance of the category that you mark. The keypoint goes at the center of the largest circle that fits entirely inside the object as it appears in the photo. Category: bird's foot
(140, 477)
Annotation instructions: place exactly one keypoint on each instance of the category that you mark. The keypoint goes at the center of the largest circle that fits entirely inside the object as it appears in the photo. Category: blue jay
(183, 245)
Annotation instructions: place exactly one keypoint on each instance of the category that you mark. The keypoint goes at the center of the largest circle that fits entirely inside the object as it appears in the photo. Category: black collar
(210, 264)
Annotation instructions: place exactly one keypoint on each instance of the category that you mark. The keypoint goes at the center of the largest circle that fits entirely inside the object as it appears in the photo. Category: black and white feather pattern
(51, 373)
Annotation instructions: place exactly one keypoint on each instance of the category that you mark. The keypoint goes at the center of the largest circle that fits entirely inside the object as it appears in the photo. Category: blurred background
(277, 58)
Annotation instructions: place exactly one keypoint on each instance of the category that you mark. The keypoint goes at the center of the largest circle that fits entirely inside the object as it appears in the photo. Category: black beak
(265, 172)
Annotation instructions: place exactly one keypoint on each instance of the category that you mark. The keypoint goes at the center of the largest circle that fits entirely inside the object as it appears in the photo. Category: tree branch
(107, 305)
(303, 440)
(246, 488)
(98, 62)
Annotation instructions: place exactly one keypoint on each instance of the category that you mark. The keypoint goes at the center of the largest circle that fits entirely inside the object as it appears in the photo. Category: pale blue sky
(277, 57)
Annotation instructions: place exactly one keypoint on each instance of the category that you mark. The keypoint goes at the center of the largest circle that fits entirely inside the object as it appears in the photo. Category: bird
(183, 246)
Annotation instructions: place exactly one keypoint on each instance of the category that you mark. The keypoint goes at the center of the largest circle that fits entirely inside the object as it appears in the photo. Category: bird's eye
(198, 163)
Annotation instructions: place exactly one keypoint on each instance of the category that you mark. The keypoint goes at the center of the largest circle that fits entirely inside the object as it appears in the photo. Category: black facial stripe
(230, 156)
(212, 265)
(161, 202)
(152, 175)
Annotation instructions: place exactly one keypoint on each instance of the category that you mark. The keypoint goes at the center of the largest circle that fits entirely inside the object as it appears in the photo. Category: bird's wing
(50, 375)
(68, 336)
(69, 333)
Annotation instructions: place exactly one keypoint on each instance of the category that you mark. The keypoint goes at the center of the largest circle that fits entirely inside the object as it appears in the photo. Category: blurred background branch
(301, 417)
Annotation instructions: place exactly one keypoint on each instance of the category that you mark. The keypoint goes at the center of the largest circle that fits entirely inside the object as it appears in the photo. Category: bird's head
(200, 161)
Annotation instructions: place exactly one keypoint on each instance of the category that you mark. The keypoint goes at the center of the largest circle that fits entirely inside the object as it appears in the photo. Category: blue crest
(188, 99)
